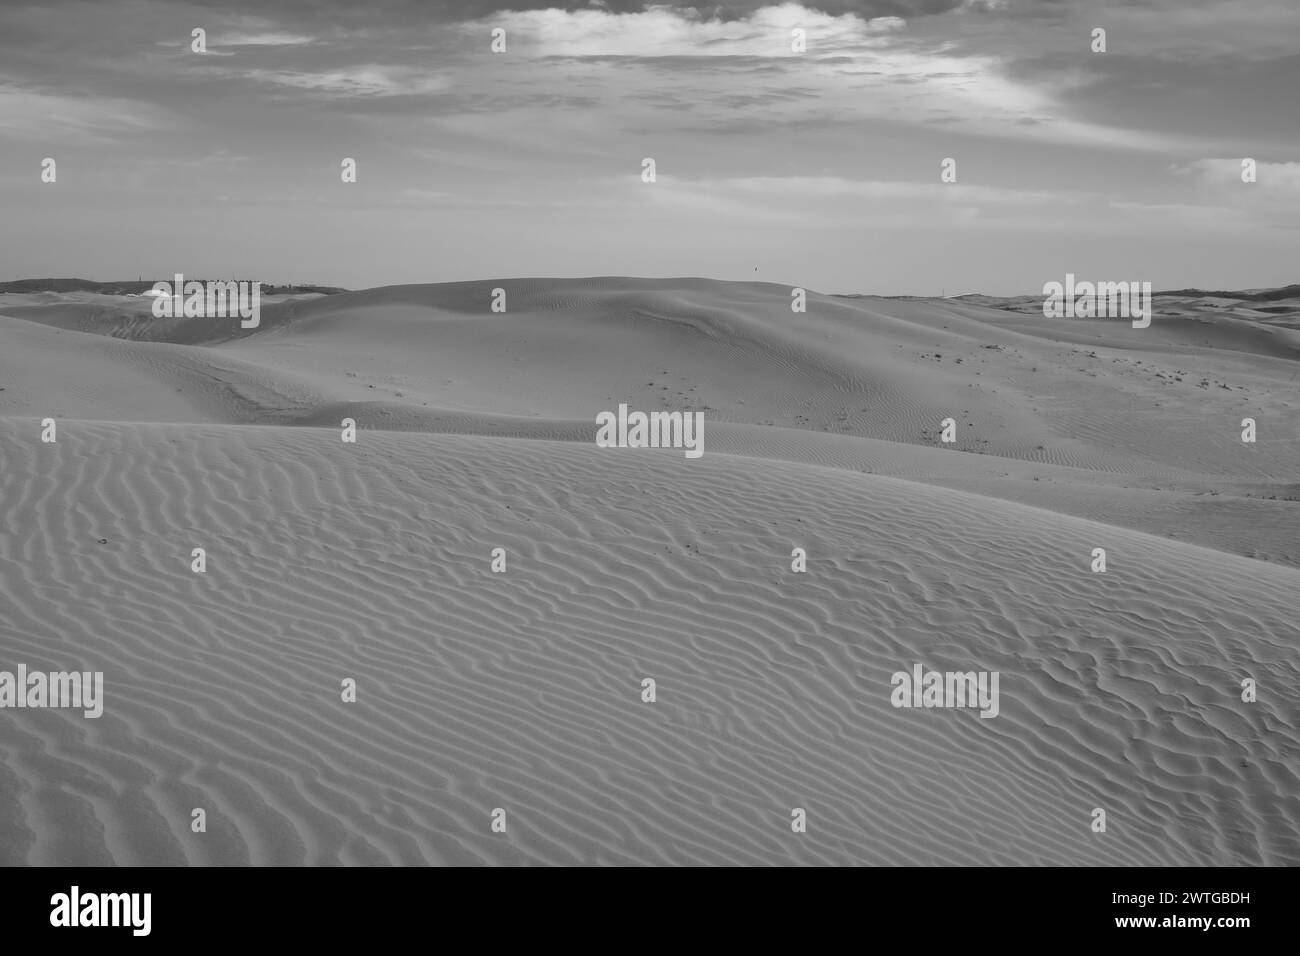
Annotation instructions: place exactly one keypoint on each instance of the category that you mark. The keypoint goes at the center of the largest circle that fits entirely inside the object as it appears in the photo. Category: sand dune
(522, 690)
(1134, 411)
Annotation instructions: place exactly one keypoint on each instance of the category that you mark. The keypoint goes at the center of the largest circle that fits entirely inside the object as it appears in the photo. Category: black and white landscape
(942, 563)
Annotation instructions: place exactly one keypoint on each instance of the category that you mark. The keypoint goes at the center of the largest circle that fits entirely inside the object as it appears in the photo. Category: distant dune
(131, 286)
(522, 690)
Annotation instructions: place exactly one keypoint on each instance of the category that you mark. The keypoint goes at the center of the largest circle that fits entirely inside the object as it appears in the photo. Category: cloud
(1273, 200)
(360, 81)
(58, 118)
(259, 39)
(736, 74)
(1277, 179)
(805, 202)
(664, 31)
(830, 187)
(844, 139)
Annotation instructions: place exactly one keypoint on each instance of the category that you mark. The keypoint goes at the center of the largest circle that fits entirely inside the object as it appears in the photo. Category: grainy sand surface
(522, 690)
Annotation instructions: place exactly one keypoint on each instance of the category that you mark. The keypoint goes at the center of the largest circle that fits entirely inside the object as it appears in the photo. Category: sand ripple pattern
(522, 690)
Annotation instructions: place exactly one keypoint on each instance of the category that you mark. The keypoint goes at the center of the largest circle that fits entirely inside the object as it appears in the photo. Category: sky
(819, 168)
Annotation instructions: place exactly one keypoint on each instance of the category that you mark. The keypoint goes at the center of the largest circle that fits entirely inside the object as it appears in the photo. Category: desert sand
(522, 690)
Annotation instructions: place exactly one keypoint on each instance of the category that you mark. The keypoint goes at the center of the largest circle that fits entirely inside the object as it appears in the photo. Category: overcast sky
(819, 169)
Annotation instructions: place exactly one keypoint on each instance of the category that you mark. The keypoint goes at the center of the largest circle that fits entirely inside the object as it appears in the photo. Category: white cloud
(259, 39)
(665, 31)
(853, 70)
(355, 81)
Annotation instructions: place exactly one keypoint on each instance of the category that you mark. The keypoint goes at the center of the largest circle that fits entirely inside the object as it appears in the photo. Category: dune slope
(521, 690)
